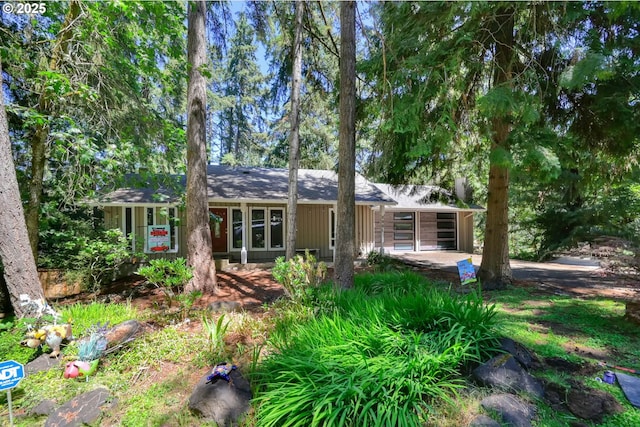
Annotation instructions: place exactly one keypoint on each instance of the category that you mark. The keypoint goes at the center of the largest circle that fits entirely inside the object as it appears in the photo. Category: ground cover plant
(378, 355)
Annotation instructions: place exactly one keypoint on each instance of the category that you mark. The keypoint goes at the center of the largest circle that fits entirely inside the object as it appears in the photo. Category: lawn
(395, 350)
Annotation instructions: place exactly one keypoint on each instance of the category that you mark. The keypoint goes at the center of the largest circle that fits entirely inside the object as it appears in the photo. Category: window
(128, 225)
(403, 231)
(332, 228)
(173, 229)
(150, 216)
(267, 229)
(258, 229)
(237, 224)
(446, 230)
(276, 231)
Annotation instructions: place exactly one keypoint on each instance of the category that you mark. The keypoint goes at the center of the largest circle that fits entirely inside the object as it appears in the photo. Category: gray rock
(42, 363)
(221, 401)
(503, 371)
(84, 409)
(46, 407)
(520, 352)
(484, 421)
(512, 410)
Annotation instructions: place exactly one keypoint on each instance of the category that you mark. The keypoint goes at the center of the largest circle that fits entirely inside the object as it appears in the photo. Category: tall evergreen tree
(199, 245)
(346, 209)
(19, 267)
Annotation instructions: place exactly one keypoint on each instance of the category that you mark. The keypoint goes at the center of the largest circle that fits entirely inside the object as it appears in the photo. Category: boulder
(42, 363)
(84, 409)
(503, 371)
(221, 401)
(527, 359)
(225, 306)
(484, 421)
(591, 404)
(512, 410)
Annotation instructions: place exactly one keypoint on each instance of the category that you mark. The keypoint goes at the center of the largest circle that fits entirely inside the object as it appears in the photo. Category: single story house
(248, 210)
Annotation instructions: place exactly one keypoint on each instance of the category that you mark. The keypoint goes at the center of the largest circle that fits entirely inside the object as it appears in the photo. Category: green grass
(395, 350)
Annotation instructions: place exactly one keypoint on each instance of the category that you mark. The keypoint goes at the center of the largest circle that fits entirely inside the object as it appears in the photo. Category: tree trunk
(20, 273)
(495, 270)
(345, 230)
(199, 246)
(294, 137)
(41, 132)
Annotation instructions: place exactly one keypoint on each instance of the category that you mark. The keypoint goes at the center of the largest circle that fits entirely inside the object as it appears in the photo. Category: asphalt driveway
(569, 275)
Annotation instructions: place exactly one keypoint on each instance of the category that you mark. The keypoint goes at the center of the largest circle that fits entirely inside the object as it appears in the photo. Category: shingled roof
(247, 184)
(425, 197)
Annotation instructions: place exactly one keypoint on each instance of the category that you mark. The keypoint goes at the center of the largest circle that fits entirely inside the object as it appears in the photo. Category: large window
(276, 228)
(258, 229)
(267, 229)
(236, 232)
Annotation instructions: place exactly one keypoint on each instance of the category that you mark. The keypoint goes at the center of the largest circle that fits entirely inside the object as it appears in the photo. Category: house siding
(312, 230)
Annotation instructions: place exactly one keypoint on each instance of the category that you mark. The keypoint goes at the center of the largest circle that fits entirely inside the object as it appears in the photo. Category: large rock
(221, 401)
(522, 354)
(42, 363)
(591, 404)
(503, 371)
(84, 409)
(484, 421)
(512, 410)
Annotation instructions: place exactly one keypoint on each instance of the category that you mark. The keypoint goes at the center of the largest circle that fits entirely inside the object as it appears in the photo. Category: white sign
(158, 238)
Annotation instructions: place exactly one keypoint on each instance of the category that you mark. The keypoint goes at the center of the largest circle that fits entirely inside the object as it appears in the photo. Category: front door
(219, 229)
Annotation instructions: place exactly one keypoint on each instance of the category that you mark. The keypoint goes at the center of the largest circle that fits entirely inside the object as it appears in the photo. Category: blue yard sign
(11, 372)
(467, 271)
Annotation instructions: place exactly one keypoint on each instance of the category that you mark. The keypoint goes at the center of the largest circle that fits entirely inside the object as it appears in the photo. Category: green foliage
(215, 332)
(390, 346)
(170, 276)
(381, 262)
(100, 260)
(84, 316)
(299, 275)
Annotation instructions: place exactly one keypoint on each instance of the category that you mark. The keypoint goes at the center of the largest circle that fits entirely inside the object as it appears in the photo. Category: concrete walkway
(564, 275)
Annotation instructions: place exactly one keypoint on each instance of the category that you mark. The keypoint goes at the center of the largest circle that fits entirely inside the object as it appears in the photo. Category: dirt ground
(252, 288)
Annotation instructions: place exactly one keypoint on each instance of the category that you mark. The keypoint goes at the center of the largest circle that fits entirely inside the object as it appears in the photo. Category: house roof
(247, 184)
(425, 197)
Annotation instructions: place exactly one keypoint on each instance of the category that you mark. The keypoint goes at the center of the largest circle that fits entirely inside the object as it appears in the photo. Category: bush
(381, 262)
(102, 257)
(171, 276)
(299, 275)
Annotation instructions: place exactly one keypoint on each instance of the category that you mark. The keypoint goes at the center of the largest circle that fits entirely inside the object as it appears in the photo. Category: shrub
(102, 257)
(299, 274)
(381, 262)
(171, 276)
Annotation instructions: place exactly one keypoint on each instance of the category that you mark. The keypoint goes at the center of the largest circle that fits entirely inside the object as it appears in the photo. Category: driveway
(567, 275)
